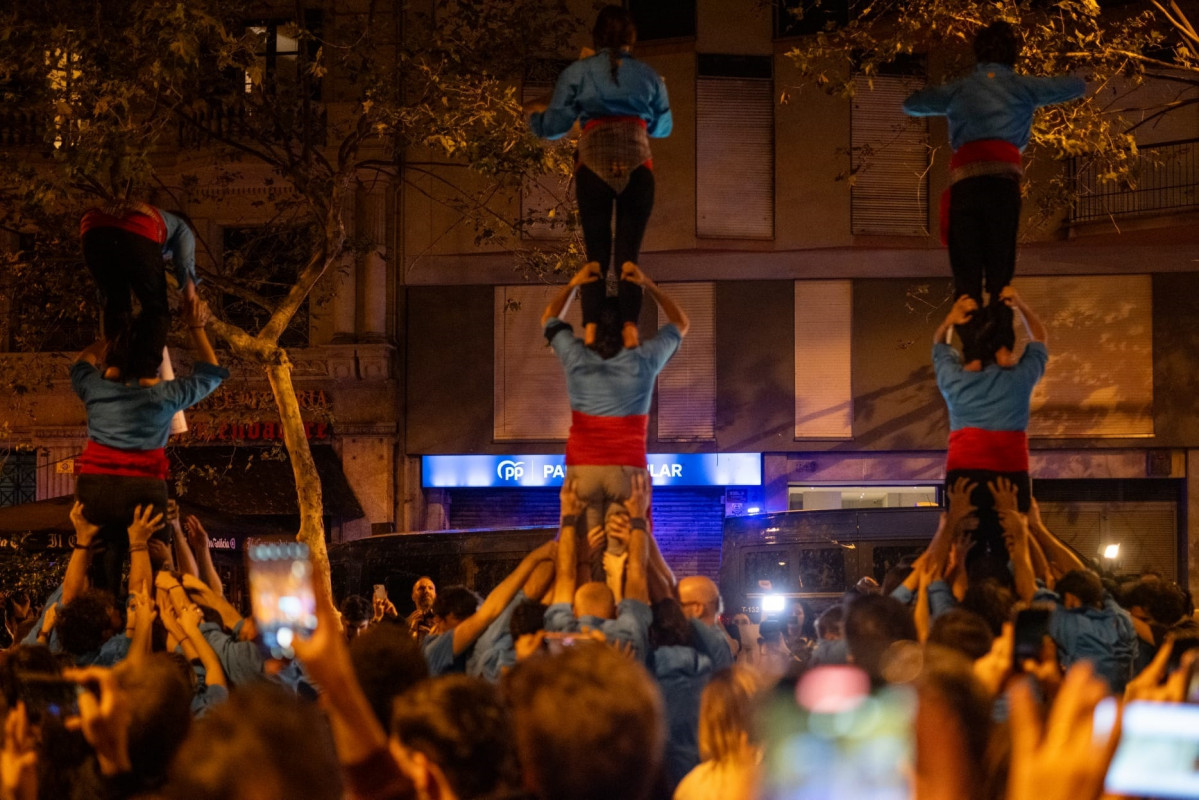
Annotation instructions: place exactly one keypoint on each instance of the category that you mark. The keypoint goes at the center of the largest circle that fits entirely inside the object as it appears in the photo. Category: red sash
(100, 459)
(996, 451)
(145, 221)
(984, 150)
(607, 441)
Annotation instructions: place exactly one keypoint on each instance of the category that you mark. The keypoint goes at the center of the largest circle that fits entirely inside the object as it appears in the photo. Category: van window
(887, 556)
(769, 565)
(822, 569)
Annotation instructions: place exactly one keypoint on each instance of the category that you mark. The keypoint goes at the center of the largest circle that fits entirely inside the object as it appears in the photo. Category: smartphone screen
(556, 642)
(836, 739)
(1158, 754)
(1031, 628)
(47, 694)
(281, 594)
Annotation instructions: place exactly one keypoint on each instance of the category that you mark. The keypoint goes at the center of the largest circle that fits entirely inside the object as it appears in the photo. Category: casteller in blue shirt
(586, 91)
(993, 102)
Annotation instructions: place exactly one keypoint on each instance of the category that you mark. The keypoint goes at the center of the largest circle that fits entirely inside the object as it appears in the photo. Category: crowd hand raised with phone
(382, 607)
(1060, 757)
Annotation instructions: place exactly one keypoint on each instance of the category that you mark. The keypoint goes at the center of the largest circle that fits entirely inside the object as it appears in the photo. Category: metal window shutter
(1099, 382)
(1147, 531)
(689, 527)
(544, 193)
(889, 158)
(687, 386)
(734, 154)
(530, 388)
(823, 387)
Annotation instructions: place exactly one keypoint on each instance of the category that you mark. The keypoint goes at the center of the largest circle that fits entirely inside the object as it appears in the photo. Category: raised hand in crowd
(182, 554)
(19, 758)
(1156, 683)
(104, 717)
(1060, 758)
(382, 608)
(139, 626)
(49, 618)
(145, 524)
(75, 582)
(198, 538)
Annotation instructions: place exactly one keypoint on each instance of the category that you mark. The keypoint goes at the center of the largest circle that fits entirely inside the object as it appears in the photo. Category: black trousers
(988, 538)
(126, 265)
(109, 501)
(633, 207)
(984, 219)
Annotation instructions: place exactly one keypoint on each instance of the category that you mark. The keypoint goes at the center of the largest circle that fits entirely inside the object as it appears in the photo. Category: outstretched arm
(1061, 558)
(588, 274)
(473, 626)
(633, 274)
(197, 315)
(197, 537)
(963, 308)
(75, 582)
(1032, 323)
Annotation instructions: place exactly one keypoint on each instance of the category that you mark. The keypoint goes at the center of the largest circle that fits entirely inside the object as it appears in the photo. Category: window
(734, 122)
(687, 386)
(18, 477)
(530, 399)
(277, 53)
(805, 17)
(1099, 381)
(823, 384)
(768, 570)
(818, 497)
(889, 159)
(663, 19)
(266, 261)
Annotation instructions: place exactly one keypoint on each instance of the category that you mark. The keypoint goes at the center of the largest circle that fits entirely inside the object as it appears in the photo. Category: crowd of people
(592, 670)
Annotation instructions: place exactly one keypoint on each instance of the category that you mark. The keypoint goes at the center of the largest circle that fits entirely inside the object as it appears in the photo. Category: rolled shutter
(687, 386)
(823, 384)
(734, 132)
(530, 400)
(889, 158)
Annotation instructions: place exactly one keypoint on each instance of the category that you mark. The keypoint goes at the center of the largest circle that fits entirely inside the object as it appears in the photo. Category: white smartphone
(1158, 754)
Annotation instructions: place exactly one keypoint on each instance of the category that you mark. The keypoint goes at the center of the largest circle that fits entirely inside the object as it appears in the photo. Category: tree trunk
(308, 482)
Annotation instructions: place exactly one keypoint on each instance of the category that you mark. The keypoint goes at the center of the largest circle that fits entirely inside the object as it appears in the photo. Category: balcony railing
(235, 121)
(1164, 179)
(20, 130)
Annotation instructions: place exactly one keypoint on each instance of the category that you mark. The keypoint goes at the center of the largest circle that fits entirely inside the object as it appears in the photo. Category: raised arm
(1033, 325)
(473, 626)
(197, 537)
(565, 573)
(197, 315)
(1061, 558)
(1015, 535)
(190, 616)
(145, 523)
(637, 575)
(633, 274)
(75, 582)
(588, 274)
(963, 308)
(184, 558)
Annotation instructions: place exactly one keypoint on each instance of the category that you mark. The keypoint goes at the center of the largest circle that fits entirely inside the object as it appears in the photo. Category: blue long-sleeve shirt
(1104, 636)
(631, 625)
(995, 398)
(619, 386)
(132, 417)
(180, 245)
(586, 91)
(993, 102)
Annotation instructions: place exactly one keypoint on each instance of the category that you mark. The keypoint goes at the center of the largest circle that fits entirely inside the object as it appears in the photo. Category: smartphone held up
(281, 594)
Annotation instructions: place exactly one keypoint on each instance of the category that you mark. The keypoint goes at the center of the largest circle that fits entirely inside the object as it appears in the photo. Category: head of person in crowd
(1157, 602)
(424, 592)
(800, 622)
(615, 749)
(87, 622)
(727, 713)
(609, 341)
(997, 44)
(452, 605)
(19, 661)
(991, 600)
(356, 615)
(595, 599)
(953, 728)
(867, 585)
(670, 627)
(896, 575)
(453, 737)
(1080, 588)
(387, 662)
(873, 623)
(525, 625)
(830, 624)
(259, 745)
(159, 702)
(963, 631)
(700, 598)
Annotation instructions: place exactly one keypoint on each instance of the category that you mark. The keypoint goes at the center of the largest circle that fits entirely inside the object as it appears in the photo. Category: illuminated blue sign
(666, 469)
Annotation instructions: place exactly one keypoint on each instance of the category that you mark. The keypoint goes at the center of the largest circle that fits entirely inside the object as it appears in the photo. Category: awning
(257, 481)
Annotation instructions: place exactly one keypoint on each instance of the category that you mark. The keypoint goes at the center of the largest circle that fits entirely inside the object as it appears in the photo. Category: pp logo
(509, 470)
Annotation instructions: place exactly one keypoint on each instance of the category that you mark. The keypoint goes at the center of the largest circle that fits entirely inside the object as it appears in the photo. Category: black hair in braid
(614, 31)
